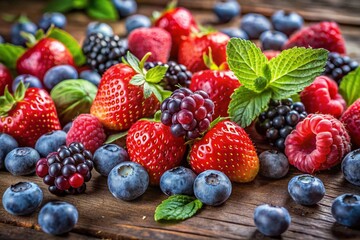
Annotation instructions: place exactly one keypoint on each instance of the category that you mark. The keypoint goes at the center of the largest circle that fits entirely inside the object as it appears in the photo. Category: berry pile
(339, 66)
(102, 52)
(66, 170)
(177, 74)
(188, 113)
(279, 120)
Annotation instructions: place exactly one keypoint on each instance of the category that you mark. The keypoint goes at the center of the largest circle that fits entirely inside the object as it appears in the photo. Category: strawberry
(227, 148)
(351, 120)
(28, 114)
(44, 55)
(152, 145)
(5, 78)
(125, 94)
(179, 22)
(271, 53)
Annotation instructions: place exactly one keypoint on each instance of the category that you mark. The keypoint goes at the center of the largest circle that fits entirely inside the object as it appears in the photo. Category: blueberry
(235, 32)
(99, 27)
(2, 40)
(91, 76)
(7, 143)
(272, 40)
(273, 164)
(52, 18)
(22, 26)
(128, 180)
(287, 23)
(27, 79)
(137, 21)
(212, 187)
(58, 217)
(22, 198)
(59, 73)
(67, 127)
(306, 189)
(350, 167)
(226, 10)
(255, 24)
(346, 210)
(125, 7)
(271, 220)
(107, 157)
(21, 161)
(179, 180)
(50, 142)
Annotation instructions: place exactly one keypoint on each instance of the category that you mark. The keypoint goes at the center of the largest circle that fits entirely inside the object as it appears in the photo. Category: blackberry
(277, 122)
(67, 169)
(338, 66)
(177, 74)
(102, 52)
(188, 113)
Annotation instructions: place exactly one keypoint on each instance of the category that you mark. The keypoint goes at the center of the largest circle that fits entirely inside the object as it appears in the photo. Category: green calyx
(209, 62)
(157, 14)
(150, 79)
(8, 101)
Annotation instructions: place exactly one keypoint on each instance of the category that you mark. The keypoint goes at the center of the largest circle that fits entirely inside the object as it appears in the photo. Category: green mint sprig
(350, 86)
(262, 80)
(9, 54)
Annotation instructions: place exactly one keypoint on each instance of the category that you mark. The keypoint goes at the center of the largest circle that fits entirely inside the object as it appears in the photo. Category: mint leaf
(112, 138)
(60, 6)
(350, 86)
(71, 44)
(102, 9)
(177, 207)
(156, 74)
(294, 69)
(246, 105)
(9, 54)
(246, 61)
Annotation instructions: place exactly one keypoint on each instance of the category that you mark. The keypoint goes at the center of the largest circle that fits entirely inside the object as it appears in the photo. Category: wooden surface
(103, 216)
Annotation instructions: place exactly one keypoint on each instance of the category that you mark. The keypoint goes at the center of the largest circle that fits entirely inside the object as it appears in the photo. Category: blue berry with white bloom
(287, 23)
(59, 73)
(52, 18)
(273, 40)
(125, 7)
(21, 161)
(137, 21)
(346, 210)
(99, 27)
(235, 32)
(271, 220)
(7, 144)
(50, 142)
(91, 76)
(350, 167)
(22, 25)
(226, 10)
(33, 81)
(255, 24)
(107, 157)
(306, 189)
(273, 164)
(179, 180)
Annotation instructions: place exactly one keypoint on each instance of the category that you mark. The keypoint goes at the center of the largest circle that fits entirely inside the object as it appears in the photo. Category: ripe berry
(306, 189)
(271, 220)
(338, 66)
(346, 210)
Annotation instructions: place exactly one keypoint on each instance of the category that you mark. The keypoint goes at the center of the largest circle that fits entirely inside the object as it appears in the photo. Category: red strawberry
(271, 54)
(152, 145)
(322, 35)
(5, 78)
(322, 97)
(227, 148)
(319, 142)
(44, 55)
(179, 22)
(154, 40)
(88, 130)
(28, 114)
(193, 48)
(351, 120)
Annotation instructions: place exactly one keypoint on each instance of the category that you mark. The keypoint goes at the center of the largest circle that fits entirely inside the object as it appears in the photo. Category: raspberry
(322, 97)
(351, 120)
(188, 113)
(67, 170)
(338, 66)
(322, 35)
(102, 52)
(177, 74)
(319, 142)
(88, 130)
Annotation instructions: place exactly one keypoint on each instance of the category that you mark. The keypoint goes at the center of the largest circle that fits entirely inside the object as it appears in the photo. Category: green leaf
(156, 74)
(9, 54)
(294, 69)
(246, 105)
(59, 6)
(102, 9)
(350, 86)
(133, 62)
(112, 138)
(137, 80)
(246, 60)
(70, 43)
(177, 207)
(147, 90)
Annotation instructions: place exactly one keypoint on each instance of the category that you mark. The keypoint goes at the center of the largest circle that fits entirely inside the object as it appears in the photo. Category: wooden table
(103, 216)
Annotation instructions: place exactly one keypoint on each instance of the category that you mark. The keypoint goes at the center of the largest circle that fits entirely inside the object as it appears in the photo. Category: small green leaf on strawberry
(350, 87)
(9, 54)
(112, 138)
(177, 207)
(156, 74)
(137, 80)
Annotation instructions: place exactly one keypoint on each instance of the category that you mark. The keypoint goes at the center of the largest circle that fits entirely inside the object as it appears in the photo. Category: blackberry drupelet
(102, 52)
(277, 122)
(177, 74)
(338, 66)
(66, 170)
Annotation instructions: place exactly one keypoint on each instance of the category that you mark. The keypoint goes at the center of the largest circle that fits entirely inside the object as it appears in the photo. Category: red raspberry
(351, 120)
(319, 142)
(271, 54)
(322, 97)
(88, 130)
(322, 35)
